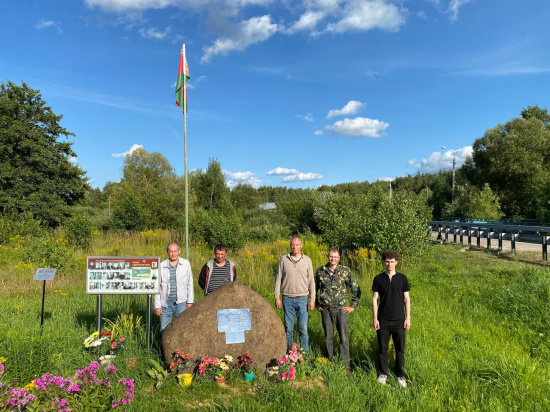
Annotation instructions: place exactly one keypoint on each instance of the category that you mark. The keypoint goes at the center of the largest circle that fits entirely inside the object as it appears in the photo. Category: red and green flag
(183, 76)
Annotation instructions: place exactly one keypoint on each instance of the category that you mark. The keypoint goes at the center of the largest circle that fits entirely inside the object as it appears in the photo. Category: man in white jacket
(176, 286)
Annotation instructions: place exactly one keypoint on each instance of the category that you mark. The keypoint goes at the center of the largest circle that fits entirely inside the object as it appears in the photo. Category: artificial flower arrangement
(288, 363)
(96, 339)
(179, 362)
(224, 365)
(208, 366)
(244, 363)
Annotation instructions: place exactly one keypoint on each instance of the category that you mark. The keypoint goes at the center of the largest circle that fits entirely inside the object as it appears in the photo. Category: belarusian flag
(183, 76)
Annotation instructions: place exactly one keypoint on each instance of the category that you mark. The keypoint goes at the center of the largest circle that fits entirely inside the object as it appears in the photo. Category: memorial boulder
(229, 321)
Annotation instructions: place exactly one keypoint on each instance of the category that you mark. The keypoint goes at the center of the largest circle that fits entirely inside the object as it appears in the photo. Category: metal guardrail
(491, 230)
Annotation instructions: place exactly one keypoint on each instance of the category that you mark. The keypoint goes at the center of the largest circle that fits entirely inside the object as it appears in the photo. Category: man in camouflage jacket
(332, 282)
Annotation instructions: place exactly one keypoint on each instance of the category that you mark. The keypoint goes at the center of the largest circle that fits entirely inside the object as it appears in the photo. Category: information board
(44, 274)
(121, 275)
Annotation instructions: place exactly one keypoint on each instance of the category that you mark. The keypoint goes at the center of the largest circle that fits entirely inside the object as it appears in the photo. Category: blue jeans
(298, 306)
(171, 309)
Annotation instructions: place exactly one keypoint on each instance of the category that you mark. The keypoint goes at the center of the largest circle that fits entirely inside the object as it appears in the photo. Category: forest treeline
(507, 176)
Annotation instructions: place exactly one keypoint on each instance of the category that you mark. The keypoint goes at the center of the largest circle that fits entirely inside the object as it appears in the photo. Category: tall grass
(478, 340)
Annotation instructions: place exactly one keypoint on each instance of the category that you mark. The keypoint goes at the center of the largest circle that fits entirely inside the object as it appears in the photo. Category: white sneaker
(382, 379)
(402, 381)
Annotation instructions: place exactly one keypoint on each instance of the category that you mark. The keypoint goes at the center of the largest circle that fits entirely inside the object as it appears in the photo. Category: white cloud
(307, 21)
(387, 179)
(251, 31)
(192, 85)
(72, 160)
(302, 177)
(307, 117)
(129, 152)
(234, 178)
(283, 171)
(454, 5)
(358, 127)
(350, 108)
(318, 132)
(369, 15)
(152, 33)
(43, 24)
(438, 161)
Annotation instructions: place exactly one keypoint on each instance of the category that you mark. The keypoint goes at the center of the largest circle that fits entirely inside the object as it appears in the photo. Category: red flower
(113, 346)
(179, 361)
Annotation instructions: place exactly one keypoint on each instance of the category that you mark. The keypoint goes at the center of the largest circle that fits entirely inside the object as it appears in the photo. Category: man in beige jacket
(295, 281)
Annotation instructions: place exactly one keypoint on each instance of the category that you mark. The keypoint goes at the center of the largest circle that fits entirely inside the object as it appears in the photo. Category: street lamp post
(454, 164)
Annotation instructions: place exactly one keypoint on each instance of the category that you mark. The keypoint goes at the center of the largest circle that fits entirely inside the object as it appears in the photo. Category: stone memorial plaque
(234, 322)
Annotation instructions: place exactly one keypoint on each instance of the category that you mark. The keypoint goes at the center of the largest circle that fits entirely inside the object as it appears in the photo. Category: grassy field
(479, 337)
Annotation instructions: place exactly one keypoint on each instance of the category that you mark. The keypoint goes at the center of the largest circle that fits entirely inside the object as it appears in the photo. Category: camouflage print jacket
(332, 291)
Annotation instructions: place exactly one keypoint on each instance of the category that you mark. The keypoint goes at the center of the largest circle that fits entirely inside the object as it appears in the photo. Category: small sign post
(44, 274)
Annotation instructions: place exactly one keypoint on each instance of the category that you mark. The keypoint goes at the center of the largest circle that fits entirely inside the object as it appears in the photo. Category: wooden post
(500, 241)
(447, 234)
(489, 234)
(513, 241)
(544, 247)
(479, 232)
(461, 236)
(470, 236)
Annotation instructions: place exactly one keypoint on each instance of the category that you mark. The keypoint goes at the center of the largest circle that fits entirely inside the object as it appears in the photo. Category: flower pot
(185, 379)
(272, 372)
(220, 380)
(107, 359)
(249, 376)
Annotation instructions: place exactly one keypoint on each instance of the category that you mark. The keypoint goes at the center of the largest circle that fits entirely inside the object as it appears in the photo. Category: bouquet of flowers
(223, 365)
(96, 339)
(208, 366)
(179, 362)
(288, 363)
(244, 363)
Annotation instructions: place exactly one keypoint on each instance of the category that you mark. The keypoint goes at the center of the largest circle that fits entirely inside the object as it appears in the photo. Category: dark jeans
(330, 318)
(396, 330)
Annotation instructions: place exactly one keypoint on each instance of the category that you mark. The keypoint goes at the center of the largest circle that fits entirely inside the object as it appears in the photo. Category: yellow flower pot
(185, 379)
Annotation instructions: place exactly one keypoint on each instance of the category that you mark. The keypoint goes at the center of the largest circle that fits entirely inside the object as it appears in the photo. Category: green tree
(514, 160)
(149, 178)
(36, 173)
(130, 214)
(474, 203)
(244, 196)
(210, 186)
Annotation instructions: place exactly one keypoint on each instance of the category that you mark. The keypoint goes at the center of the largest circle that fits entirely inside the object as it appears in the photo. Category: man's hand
(278, 303)
(311, 305)
(376, 324)
(319, 308)
(407, 324)
(347, 309)
(158, 311)
(188, 305)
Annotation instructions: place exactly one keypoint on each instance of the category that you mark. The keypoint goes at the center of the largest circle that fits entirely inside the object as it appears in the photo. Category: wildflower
(2, 359)
(110, 369)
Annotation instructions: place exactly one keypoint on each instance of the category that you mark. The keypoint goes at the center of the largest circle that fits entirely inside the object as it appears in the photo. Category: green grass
(478, 340)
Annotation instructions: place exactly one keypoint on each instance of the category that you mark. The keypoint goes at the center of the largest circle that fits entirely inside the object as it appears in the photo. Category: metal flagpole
(185, 154)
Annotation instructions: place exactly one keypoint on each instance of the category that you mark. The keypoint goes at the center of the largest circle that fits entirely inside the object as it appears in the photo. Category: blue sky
(295, 93)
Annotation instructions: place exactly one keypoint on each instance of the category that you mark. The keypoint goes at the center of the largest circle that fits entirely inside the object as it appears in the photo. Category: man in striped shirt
(217, 271)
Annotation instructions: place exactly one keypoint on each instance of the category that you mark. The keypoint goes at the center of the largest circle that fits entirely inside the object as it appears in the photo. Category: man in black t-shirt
(392, 316)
